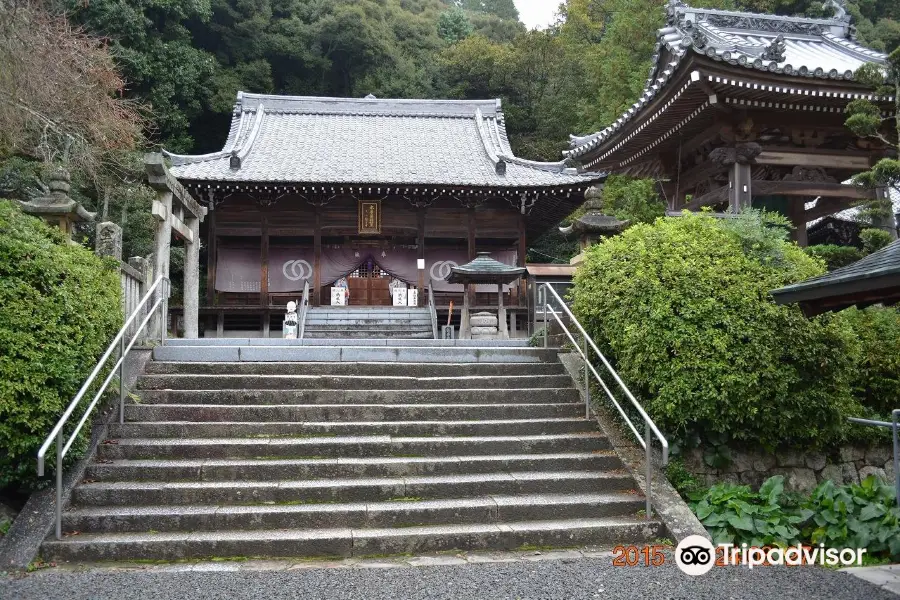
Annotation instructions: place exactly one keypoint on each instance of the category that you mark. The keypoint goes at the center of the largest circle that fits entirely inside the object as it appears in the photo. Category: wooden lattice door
(369, 286)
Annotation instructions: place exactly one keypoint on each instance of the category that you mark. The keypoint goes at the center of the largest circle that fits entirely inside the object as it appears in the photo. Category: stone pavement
(564, 575)
(887, 576)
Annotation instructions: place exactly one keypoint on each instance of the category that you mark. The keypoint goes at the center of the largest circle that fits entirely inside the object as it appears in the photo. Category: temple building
(357, 198)
(746, 109)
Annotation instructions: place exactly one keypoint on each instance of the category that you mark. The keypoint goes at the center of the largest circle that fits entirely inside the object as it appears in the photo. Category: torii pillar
(174, 209)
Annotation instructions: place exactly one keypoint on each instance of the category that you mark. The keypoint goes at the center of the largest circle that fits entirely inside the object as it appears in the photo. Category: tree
(866, 120)
(60, 92)
(634, 200)
(505, 9)
(454, 25)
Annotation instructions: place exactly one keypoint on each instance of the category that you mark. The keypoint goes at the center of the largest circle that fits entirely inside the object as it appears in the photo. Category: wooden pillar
(501, 314)
(317, 262)
(739, 189)
(264, 260)
(162, 212)
(420, 242)
(469, 291)
(212, 249)
(192, 281)
(797, 214)
(520, 260)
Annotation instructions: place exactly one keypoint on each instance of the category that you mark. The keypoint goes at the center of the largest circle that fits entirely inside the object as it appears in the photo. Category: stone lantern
(484, 269)
(593, 225)
(57, 208)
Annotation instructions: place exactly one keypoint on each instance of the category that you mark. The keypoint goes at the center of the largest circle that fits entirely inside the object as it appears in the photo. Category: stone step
(271, 341)
(356, 489)
(477, 509)
(401, 323)
(192, 429)
(372, 445)
(349, 542)
(348, 382)
(355, 412)
(406, 396)
(359, 369)
(367, 328)
(339, 352)
(313, 333)
(345, 467)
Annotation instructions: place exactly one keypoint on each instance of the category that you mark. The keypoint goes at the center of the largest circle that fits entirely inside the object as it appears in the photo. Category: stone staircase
(469, 448)
(368, 322)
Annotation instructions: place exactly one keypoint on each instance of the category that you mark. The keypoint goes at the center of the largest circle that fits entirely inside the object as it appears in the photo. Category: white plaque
(420, 264)
(338, 296)
(399, 295)
(412, 297)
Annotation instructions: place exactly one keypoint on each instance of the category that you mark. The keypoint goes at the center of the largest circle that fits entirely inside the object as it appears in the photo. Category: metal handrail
(895, 428)
(62, 447)
(304, 310)
(588, 344)
(432, 309)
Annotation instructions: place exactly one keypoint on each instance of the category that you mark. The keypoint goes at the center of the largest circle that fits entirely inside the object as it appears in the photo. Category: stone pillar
(192, 281)
(162, 211)
(109, 240)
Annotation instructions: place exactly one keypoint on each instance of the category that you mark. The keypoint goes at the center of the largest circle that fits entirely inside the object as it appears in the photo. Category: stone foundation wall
(802, 470)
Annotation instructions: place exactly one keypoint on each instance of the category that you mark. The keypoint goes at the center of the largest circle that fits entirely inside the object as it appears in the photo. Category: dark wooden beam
(851, 161)
(698, 173)
(828, 206)
(811, 188)
(713, 197)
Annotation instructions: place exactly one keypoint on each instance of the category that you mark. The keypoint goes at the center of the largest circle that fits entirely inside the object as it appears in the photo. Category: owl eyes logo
(695, 555)
(295, 270)
(441, 269)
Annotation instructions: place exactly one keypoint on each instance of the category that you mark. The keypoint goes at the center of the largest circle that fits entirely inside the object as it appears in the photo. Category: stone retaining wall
(802, 470)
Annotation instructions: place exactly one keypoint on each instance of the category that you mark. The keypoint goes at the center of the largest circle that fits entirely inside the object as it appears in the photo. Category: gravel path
(563, 579)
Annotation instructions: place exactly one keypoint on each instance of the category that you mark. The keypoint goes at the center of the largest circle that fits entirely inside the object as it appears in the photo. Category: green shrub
(684, 308)
(834, 256)
(735, 514)
(59, 308)
(854, 516)
(874, 239)
(876, 380)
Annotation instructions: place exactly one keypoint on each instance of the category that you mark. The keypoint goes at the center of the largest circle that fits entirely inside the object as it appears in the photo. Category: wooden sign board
(370, 217)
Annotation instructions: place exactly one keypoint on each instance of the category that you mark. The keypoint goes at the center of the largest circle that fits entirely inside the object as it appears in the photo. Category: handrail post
(59, 466)
(546, 301)
(649, 456)
(122, 381)
(587, 383)
(895, 420)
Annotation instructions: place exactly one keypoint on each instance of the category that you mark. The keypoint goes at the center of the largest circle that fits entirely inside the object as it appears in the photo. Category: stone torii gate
(174, 209)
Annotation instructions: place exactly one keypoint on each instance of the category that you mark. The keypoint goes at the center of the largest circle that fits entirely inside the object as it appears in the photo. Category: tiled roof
(880, 264)
(484, 269)
(793, 46)
(368, 140)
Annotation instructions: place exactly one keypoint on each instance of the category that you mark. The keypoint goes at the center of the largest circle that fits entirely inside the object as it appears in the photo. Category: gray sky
(536, 13)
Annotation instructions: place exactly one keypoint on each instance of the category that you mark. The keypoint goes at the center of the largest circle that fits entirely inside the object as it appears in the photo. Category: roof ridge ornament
(775, 51)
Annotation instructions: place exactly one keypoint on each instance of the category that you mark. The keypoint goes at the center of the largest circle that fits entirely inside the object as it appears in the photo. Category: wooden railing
(432, 310)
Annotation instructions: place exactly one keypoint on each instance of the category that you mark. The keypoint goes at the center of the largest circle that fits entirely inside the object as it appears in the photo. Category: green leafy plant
(854, 516)
(684, 482)
(835, 256)
(59, 308)
(876, 379)
(874, 239)
(735, 514)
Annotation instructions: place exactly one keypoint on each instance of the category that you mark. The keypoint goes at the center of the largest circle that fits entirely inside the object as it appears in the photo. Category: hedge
(59, 309)
(876, 381)
(683, 306)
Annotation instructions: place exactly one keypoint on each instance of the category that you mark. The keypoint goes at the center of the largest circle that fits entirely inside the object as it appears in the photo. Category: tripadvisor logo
(696, 555)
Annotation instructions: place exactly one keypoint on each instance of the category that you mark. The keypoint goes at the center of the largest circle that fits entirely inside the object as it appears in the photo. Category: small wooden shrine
(744, 109)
